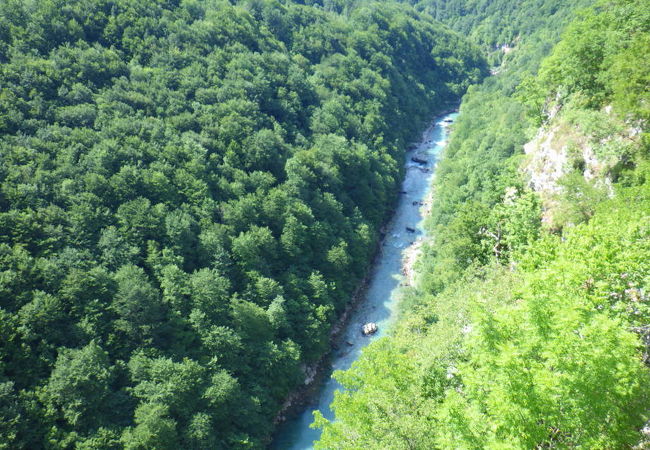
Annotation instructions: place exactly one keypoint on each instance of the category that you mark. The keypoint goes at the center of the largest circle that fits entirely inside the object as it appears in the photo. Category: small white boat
(369, 328)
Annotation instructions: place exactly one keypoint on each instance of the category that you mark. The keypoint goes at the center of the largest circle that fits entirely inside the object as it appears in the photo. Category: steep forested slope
(546, 355)
(189, 193)
(523, 332)
(502, 26)
(519, 32)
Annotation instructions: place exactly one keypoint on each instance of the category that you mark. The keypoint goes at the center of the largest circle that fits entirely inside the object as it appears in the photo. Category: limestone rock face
(593, 143)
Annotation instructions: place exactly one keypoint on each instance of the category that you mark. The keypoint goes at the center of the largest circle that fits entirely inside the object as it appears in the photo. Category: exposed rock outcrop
(569, 143)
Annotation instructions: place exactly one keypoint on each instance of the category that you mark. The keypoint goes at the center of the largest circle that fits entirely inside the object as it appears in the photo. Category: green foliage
(578, 200)
(630, 78)
(79, 385)
(480, 164)
(518, 359)
(379, 388)
(602, 58)
(479, 195)
(516, 337)
(515, 34)
(154, 429)
(189, 193)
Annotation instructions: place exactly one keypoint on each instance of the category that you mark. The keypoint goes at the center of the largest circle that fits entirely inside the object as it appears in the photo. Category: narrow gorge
(392, 270)
(193, 194)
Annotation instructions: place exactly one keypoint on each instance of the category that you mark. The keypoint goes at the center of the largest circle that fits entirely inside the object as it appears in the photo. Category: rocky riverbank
(376, 298)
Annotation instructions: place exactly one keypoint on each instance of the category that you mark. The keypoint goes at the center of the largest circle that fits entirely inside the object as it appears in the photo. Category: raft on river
(369, 328)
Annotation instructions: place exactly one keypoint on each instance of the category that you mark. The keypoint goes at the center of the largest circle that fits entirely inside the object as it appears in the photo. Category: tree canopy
(189, 192)
(523, 333)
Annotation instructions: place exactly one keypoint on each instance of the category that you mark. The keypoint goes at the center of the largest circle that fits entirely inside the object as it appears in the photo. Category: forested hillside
(502, 26)
(530, 324)
(190, 191)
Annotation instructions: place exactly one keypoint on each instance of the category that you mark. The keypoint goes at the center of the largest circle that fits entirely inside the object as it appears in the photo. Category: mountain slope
(189, 193)
(522, 334)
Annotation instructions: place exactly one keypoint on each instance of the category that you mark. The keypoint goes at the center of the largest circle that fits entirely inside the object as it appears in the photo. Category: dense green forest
(530, 323)
(498, 25)
(191, 190)
(189, 193)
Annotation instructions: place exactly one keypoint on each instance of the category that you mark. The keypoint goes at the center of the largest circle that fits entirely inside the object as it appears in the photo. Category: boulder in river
(415, 159)
(369, 328)
(410, 230)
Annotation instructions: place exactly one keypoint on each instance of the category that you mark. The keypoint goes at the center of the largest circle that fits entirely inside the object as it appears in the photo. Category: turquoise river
(381, 298)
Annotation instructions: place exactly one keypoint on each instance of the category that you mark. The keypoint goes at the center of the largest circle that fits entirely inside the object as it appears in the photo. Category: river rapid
(380, 300)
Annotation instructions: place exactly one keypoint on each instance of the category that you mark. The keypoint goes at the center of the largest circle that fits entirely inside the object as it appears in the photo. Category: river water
(381, 298)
